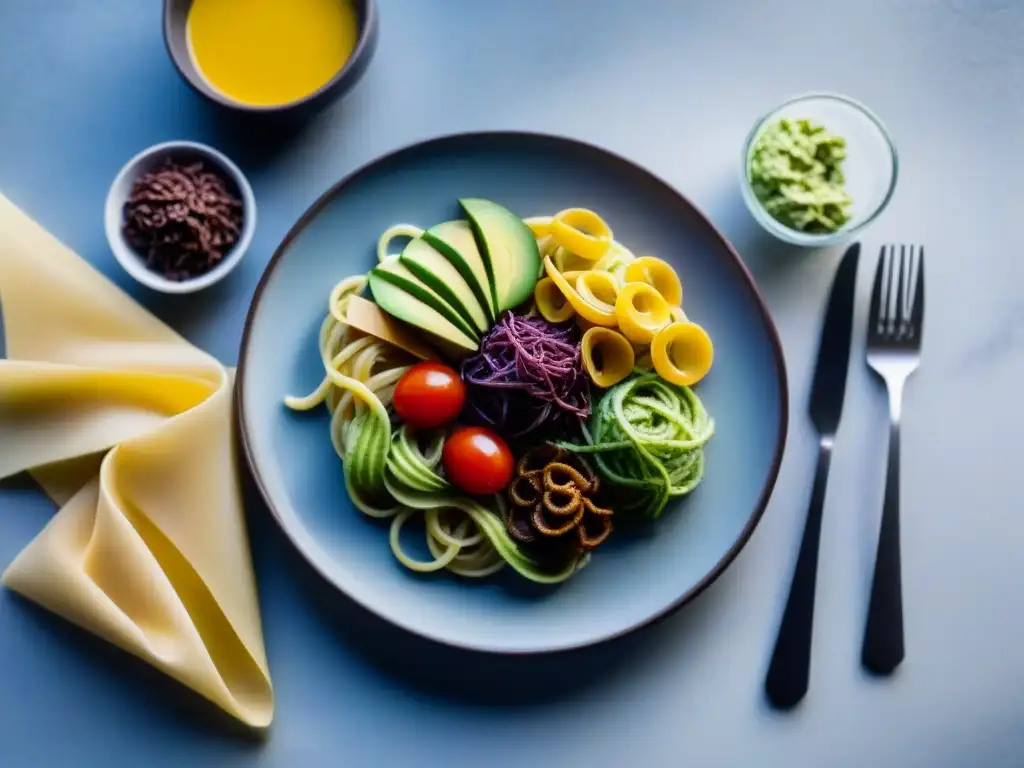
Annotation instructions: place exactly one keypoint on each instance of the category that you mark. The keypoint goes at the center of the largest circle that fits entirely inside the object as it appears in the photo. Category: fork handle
(790, 667)
(883, 634)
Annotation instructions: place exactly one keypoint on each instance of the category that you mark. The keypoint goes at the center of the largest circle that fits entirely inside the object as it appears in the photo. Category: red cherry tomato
(429, 395)
(477, 461)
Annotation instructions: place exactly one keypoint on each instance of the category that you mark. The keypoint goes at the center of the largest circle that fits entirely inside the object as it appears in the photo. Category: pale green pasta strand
(647, 437)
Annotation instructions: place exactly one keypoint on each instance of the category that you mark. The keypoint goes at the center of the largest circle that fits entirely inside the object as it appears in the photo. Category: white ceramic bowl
(147, 160)
(871, 166)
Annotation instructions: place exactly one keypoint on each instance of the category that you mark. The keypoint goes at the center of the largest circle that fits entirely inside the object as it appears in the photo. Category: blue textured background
(85, 84)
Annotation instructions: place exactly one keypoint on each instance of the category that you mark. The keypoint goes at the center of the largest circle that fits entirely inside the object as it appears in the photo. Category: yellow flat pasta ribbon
(598, 315)
(128, 427)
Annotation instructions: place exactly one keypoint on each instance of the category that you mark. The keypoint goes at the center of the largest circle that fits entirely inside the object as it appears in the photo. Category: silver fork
(893, 350)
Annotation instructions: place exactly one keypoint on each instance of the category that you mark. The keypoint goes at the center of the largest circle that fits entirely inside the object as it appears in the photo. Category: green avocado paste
(795, 171)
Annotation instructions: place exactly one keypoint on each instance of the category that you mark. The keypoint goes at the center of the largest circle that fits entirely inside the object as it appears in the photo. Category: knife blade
(789, 670)
(828, 389)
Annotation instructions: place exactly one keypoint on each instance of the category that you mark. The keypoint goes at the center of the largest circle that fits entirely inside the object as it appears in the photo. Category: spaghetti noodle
(393, 475)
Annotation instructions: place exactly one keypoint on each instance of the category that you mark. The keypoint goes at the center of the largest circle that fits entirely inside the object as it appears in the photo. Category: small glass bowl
(870, 168)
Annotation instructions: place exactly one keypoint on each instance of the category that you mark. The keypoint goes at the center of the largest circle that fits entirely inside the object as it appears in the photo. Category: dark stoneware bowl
(176, 15)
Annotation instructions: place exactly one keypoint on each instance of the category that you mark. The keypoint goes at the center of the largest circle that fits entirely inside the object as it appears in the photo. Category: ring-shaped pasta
(598, 289)
(682, 353)
(582, 232)
(641, 312)
(566, 261)
(658, 274)
(539, 225)
(607, 356)
(551, 302)
(583, 308)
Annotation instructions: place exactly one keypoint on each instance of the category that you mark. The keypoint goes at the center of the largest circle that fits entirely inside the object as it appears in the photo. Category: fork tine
(876, 320)
(908, 289)
(891, 293)
(917, 313)
(902, 314)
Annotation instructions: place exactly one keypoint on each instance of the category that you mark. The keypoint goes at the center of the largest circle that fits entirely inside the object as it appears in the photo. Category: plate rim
(737, 263)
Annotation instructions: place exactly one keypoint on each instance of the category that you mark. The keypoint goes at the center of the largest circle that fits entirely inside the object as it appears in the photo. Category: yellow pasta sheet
(128, 427)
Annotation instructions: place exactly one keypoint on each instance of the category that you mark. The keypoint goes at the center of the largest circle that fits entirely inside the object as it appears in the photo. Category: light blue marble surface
(675, 86)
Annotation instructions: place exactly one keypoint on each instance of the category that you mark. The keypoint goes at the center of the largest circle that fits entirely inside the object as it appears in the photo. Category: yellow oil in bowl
(267, 53)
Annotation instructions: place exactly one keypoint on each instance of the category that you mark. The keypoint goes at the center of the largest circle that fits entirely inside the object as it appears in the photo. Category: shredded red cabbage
(527, 376)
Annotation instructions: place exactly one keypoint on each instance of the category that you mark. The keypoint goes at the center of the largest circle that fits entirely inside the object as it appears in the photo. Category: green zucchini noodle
(360, 374)
(648, 438)
(394, 474)
(453, 537)
(463, 536)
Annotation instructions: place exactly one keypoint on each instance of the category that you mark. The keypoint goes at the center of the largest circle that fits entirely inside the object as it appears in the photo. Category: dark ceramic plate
(632, 580)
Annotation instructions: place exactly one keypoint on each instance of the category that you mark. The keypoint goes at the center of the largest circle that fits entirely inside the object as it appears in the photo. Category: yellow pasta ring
(551, 302)
(598, 289)
(641, 312)
(566, 261)
(607, 356)
(539, 225)
(583, 308)
(678, 315)
(582, 232)
(660, 275)
(682, 353)
(572, 274)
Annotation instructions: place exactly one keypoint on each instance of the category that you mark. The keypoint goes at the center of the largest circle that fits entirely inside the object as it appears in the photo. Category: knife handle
(789, 670)
(883, 634)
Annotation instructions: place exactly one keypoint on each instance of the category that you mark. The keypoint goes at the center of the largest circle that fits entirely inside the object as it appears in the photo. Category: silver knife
(789, 670)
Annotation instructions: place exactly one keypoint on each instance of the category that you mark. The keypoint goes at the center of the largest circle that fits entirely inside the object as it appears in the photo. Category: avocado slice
(407, 307)
(393, 271)
(454, 240)
(435, 271)
(509, 248)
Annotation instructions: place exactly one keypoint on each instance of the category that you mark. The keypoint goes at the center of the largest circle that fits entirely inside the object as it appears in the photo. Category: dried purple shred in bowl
(527, 375)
